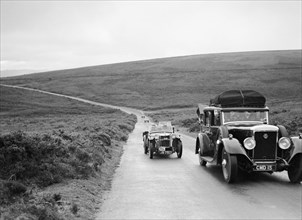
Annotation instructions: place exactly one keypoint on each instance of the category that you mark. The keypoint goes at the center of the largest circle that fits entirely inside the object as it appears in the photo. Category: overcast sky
(49, 35)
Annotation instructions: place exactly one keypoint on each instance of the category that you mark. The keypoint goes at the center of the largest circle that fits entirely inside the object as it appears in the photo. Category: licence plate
(261, 167)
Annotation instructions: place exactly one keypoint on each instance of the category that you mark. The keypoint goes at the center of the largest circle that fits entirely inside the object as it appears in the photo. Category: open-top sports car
(162, 140)
(236, 134)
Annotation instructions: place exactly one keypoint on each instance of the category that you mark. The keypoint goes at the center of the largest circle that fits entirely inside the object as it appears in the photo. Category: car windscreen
(250, 115)
(164, 128)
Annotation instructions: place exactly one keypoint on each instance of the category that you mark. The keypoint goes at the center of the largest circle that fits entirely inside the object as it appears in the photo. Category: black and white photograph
(150, 109)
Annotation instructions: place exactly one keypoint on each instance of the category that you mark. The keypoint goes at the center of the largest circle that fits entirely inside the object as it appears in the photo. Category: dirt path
(124, 109)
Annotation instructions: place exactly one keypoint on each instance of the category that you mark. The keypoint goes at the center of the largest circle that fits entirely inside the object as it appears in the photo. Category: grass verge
(57, 156)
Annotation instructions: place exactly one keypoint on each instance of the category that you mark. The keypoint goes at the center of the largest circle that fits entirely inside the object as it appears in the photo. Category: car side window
(216, 118)
(208, 118)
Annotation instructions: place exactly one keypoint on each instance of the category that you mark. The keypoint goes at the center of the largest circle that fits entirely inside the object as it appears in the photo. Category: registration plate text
(264, 167)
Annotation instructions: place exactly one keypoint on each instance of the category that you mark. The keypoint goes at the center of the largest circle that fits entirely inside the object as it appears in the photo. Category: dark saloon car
(235, 133)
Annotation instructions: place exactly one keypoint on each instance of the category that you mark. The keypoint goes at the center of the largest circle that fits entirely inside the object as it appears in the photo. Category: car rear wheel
(146, 146)
(202, 162)
(229, 166)
(295, 169)
(179, 149)
(151, 150)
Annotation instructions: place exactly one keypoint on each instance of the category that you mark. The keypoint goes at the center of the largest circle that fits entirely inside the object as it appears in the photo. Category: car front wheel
(151, 150)
(179, 149)
(295, 169)
(229, 166)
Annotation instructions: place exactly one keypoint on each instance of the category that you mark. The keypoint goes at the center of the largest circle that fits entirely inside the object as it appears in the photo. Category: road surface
(172, 188)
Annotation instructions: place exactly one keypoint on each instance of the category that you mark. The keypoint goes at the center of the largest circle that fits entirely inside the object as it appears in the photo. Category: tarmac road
(172, 188)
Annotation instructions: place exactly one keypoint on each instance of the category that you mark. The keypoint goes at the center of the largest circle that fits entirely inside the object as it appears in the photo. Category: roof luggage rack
(239, 98)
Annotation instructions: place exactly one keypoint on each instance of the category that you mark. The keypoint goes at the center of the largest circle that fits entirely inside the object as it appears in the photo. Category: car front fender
(233, 146)
(297, 147)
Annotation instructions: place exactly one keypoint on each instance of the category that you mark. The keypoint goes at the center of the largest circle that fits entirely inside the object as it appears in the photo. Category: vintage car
(161, 140)
(235, 133)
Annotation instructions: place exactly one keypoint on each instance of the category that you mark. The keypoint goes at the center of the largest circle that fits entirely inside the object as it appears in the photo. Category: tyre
(229, 166)
(145, 139)
(202, 162)
(145, 149)
(179, 149)
(295, 169)
(151, 150)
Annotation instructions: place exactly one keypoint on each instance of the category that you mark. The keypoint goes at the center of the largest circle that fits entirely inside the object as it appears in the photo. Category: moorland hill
(177, 82)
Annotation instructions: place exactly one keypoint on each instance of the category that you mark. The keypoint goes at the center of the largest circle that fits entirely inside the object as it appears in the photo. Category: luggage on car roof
(239, 98)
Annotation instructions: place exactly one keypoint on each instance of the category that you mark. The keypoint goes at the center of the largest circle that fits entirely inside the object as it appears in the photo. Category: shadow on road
(243, 178)
(165, 157)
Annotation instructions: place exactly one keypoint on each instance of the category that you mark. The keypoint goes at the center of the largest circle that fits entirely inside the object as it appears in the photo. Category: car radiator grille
(266, 145)
(165, 143)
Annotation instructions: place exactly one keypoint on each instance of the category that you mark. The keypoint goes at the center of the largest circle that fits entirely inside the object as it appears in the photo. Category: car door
(208, 130)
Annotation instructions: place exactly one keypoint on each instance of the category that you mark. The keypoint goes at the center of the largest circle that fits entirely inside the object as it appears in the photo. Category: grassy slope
(179, 82)
(79, 175)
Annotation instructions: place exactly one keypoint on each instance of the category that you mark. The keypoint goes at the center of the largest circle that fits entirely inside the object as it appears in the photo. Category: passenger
(235, 116)
(247, 116)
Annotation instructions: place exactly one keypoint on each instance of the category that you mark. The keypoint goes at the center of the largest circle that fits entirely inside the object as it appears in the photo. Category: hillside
(57, 156)
(177, 81)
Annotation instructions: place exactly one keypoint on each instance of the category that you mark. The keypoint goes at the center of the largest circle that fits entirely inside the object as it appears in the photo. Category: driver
(247, 115)
(235, 116)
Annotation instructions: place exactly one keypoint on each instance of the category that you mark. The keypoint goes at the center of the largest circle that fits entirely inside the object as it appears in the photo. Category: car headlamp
(249, 143)
(173, 136)
(284, 143)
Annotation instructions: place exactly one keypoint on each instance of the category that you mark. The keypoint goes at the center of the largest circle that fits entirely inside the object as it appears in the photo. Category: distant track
(124, 109)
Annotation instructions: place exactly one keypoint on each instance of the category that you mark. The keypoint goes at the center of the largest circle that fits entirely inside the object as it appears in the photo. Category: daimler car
(235, 133)
(162, 140)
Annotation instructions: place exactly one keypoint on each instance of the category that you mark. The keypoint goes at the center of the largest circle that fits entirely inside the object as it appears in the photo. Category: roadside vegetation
(57, 156)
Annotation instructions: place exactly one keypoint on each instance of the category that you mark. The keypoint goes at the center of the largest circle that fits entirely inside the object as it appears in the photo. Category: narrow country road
(172, 188)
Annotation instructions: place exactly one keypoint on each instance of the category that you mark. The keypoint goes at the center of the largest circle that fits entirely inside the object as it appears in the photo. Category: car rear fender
(202, 143)
(297, 147)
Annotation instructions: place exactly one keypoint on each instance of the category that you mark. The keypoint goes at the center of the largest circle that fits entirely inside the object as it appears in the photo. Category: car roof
(236, 108)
